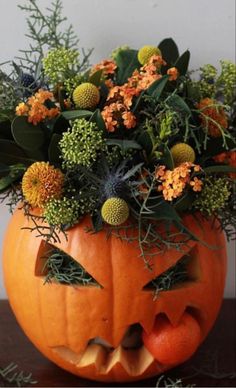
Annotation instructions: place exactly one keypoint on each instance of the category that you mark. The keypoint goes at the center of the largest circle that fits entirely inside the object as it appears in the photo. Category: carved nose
(172, 345)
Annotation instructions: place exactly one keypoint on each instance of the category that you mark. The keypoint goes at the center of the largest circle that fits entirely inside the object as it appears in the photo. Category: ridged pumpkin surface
(61, 319)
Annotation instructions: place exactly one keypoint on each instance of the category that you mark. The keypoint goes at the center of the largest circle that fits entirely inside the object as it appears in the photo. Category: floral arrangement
(136, 141)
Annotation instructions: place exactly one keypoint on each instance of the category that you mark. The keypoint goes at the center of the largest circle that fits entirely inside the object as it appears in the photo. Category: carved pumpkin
(85, 329)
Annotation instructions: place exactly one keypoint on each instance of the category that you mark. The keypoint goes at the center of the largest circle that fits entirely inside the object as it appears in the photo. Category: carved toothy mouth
(131, 353)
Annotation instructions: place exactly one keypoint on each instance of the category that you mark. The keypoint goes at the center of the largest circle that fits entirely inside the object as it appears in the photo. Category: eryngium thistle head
(114, 186)
(81, 144)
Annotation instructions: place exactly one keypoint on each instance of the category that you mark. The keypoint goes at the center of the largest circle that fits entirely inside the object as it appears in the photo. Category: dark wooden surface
(214, 365)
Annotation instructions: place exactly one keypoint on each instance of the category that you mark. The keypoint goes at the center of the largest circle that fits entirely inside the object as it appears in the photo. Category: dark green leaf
(4, 169)
(60, 125)
(95, 78)
(169, 50)
(166, 211)
(157, 87)
(193, 90)
(15, 172)
(26, 135)
(223, 169)
(5, 130)
(124, 144)
(167, 158)
(215, 147)
(179, 104)
(76, 114)
(185, 202)
(132, 171)
(145, 141)
(138, 101)
(98, 119)
(54, 150)
(11, 153)
(183, 62)
(127, 62)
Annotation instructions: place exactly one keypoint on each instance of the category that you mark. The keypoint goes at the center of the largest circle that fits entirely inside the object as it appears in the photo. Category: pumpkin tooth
(67, 354)
(94, 354)
(135, 362)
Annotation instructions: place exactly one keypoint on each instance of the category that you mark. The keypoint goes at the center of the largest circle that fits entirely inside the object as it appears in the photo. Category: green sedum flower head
(214, 195)
(118, 50)
(227, 81)
(208, 74)
(81, 144)
(63, 211)
(58, 63)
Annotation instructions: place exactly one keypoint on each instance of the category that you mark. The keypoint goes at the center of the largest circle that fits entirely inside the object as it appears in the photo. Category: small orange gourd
(85, 329)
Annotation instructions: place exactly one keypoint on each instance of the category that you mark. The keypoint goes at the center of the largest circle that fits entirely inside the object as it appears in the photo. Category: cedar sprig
(11, 375)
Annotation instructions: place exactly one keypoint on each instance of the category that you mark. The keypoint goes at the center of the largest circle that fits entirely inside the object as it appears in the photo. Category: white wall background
(206, 27)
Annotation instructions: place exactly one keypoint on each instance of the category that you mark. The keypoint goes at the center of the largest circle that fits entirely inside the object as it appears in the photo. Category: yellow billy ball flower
(42, 182)
(86, 96)
(115, 211)
(182, 153)
(146, 52)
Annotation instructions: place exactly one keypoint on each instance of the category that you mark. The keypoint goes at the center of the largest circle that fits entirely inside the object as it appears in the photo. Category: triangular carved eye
(176, 275)
(59, 267)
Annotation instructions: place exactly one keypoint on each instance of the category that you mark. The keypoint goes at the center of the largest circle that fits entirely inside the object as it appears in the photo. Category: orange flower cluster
(41, 182)
(173, 73)
(213, 117)
(120, 98)
(227, 158)
(35, 109)
(108, 66)
(173, 182)
(114, 113)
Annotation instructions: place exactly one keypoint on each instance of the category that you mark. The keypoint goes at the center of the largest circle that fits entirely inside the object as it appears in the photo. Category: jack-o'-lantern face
(109, 329)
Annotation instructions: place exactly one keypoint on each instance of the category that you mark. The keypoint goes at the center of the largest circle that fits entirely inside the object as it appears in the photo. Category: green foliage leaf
(145, 141)
(156, 88)
(76, 114)
(127, 62)
(26, 135)
(54, 150)
(132, 171)
(138, 102)
(169, 50)
(124, 144)
(165, 211)
(14, 173)
(183, 62)
(167, 158)
(215, 147)
(95, 78)
(98, 119)
(11, 153)
(179, 105)
(216, 168)
(184, 203)
(60, 125)
(193, 91)
(5, 130)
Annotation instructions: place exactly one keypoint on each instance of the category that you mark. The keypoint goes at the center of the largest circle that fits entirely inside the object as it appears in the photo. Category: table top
(214, 364)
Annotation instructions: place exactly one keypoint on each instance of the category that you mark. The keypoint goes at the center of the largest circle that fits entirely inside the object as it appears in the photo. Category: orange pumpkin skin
(61, 319)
